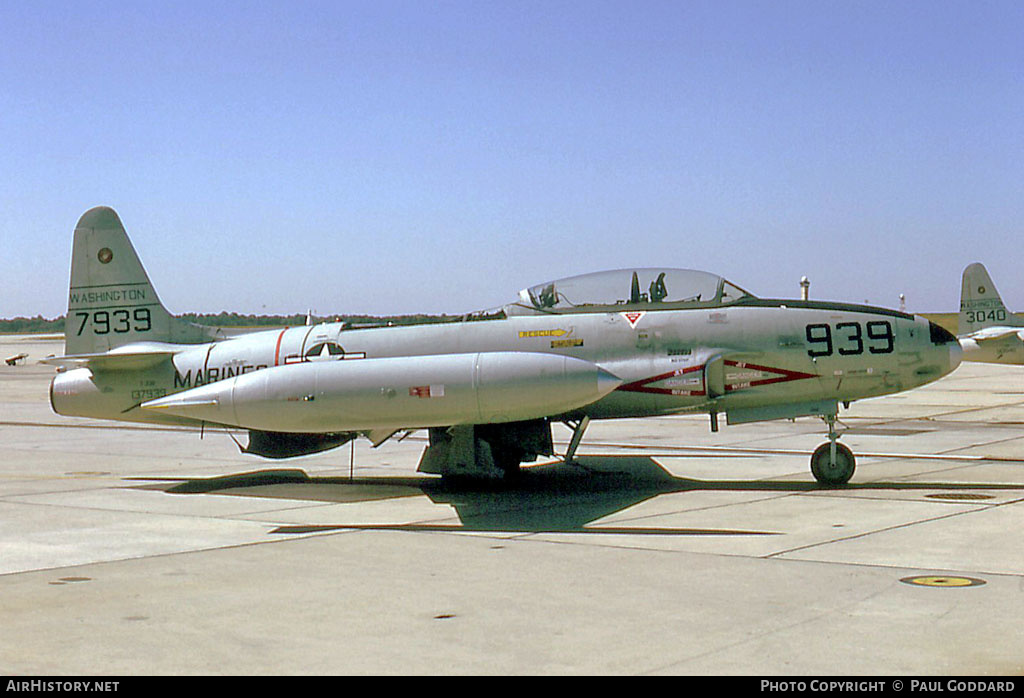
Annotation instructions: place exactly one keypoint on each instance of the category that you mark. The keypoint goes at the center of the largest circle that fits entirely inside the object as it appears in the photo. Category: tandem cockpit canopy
(627, 288)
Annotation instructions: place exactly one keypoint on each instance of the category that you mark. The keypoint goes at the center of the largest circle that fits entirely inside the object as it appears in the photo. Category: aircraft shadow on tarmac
(556, 497)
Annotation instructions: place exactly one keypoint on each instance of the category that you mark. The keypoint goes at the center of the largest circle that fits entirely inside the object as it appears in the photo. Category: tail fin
(111, 301)
(980, 304)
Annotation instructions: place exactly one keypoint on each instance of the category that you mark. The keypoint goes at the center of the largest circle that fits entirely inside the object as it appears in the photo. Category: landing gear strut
(577, 437)
(832, 463)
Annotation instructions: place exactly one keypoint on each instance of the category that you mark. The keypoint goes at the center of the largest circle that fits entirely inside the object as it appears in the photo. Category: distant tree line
(32, 325)
(225, 319)
(39, 324)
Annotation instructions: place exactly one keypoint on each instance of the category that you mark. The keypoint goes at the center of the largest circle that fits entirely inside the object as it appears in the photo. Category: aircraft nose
(956, 355)
(941, 337)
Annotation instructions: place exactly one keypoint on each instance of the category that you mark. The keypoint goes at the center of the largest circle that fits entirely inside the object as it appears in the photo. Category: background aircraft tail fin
(980, 304)
(111, 301)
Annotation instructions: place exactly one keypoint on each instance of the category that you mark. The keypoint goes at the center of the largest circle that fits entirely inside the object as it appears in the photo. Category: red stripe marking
(783, 376)
(277, 351)
(642, 386)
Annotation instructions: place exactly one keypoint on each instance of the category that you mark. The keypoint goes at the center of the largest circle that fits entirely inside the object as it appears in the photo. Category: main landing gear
(832, 463)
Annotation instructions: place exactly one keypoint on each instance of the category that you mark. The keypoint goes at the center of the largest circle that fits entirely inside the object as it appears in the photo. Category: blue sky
(394, 157)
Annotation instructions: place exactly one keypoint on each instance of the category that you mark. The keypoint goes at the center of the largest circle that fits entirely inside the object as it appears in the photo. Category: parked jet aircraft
(626, 343)
(988, 332)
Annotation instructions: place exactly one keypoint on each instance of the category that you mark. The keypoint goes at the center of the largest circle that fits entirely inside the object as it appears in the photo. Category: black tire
(833, 474)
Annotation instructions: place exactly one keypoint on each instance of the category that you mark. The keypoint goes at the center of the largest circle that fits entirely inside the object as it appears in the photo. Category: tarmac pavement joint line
(866, 534)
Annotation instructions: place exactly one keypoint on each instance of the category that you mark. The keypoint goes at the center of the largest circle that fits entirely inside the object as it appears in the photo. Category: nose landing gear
(832, 463)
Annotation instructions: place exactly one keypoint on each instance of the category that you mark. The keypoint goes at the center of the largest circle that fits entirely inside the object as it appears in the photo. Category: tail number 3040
(850, 338)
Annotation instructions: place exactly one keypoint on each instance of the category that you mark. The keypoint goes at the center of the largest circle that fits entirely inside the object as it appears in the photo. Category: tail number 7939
(118, 321)
(850, 338)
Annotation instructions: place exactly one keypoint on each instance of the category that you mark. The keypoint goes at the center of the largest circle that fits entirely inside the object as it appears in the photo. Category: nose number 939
(850, 338)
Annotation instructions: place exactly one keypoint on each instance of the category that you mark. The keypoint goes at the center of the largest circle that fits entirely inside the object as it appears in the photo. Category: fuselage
(733, 358)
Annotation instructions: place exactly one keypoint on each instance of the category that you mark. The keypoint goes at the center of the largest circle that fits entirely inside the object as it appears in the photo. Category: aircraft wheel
(829, 473)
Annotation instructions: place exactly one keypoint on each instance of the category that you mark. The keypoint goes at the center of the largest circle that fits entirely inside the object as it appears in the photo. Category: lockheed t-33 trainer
(988, 332)
(626, 343)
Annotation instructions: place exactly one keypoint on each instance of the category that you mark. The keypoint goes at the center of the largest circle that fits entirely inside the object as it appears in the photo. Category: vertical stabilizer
(980, 304)
(111, 301)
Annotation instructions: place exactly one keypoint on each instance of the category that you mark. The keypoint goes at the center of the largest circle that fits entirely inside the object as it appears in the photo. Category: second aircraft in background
(988, 332)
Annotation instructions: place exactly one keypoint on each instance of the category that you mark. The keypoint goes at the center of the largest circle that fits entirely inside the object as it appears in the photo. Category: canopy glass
(631, 287)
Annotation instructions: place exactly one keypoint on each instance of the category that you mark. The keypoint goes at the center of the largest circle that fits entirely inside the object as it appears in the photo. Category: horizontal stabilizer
(108, 361)
(997, 334)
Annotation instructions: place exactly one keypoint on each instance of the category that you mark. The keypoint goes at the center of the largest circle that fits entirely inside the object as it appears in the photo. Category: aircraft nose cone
(956, 355)
(941, 337)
